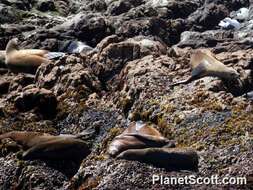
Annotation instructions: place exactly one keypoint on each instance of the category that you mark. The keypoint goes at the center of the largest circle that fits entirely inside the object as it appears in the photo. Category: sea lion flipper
(38, 52)
(196, 73)
(186, 81)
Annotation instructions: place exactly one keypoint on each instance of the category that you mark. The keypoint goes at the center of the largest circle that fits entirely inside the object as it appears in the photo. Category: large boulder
(111, 59)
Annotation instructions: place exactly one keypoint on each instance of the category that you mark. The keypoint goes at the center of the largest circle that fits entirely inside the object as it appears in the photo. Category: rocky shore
(120, 58)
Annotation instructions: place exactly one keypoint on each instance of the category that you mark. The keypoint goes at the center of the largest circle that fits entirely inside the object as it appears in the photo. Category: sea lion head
(231, 74)
(12, 45)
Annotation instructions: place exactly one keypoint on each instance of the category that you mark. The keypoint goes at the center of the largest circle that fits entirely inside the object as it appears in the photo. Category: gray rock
(8, 14)
(46, 5)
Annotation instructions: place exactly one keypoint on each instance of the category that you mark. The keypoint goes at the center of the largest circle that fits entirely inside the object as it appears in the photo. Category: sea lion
(204, 63)
(168, 158)
(136, 136)
(140, 127)
(45, 146)
(26, 61)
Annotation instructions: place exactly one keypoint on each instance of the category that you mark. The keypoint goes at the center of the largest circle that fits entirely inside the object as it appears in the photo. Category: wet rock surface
(137, 49)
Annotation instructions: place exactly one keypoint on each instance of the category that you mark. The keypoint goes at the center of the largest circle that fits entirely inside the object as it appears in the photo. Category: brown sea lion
(204, 63)
(140, 127)
(168, 158)
(26, 61)
(45, 146)
(137, 136)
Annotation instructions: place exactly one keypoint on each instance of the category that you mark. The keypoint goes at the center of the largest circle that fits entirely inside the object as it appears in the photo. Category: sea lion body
(26, 61)
(135, 137)
(204, 64)
(26, 139)
(168, 158)
(59, 148)
(136, 141)
(42, 145)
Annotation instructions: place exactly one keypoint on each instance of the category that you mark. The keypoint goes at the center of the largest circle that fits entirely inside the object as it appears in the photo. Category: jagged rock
(4, 86)
(121, 79)
(40, 98)
(41, 176)
(63, 6)
(20, 81)
(2, 59)
(8, 14)
(96, 6)
(210, 38)
(208, 17)
(174, 9)
(90, 28)
(112, 58)
(230, 4)
(122, 6)
(18, 4)
(141, 77)
(67, 76)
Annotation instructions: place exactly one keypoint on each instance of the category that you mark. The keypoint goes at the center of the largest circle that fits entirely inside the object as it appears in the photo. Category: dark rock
(209, 38)
(2, 59)
(145, 27)
(4, 86)
(174, 9)
(40, 175)
(8, 14)
(20, 81)
(208, 17)
(124, 79)
(122, 6)
(91, 28)
(230, 4)
(18, 4)
(63, 6)
(42, 99)
(96, 6)
(45, 5)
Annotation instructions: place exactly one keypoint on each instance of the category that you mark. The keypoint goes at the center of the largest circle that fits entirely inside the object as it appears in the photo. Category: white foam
(139, 125)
